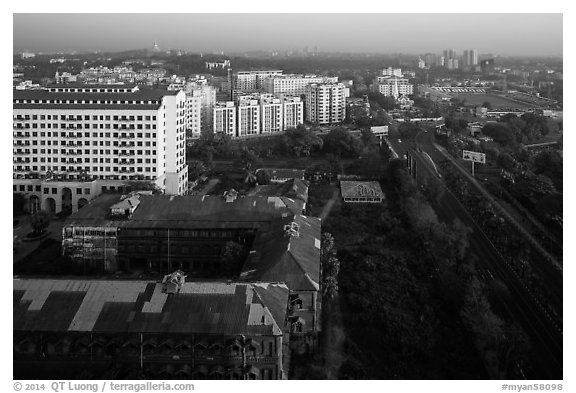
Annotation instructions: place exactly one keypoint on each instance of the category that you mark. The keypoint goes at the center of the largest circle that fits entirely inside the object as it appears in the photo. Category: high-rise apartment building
(193, 113)
(293, 84)
(248, 118)
(83, 137)
(292, 112)
(392, 72)
(224, 115)
(271, 113)
(391, 86)
(325, 103)
(249, 81)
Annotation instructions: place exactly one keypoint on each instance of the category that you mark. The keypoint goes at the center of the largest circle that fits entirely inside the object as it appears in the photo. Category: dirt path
(334, 338)
(328, 206)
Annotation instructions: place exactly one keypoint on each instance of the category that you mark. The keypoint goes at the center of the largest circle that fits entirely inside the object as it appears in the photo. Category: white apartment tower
(248, 118)
(81, 137)
(293, 84)
(271, 115)
(393, 86)
(292, 112)
(250, 81)
(224, 118)
(194, 113)
(325, 103)
(392, 72)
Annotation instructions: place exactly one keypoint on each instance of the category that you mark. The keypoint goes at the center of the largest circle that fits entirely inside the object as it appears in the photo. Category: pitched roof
(292, 259)
(293, 188)
(357, 189)
(140, 306)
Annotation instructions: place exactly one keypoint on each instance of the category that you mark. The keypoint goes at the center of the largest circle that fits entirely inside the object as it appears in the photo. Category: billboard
(474, 156)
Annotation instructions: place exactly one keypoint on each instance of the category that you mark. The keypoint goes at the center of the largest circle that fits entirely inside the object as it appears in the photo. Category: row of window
(46, 190)
(115, 126)
(34, 168)
(86, 117)
(86, 151)
(94, 143)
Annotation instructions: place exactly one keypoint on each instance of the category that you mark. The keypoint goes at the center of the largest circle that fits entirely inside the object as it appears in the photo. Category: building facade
(78, 133)
(250, 81)
(292, 112)
(325, 103)
(271, 112)
(293, 84)
(393, 86)
(248, 118)
(206, 330)
(224, 118)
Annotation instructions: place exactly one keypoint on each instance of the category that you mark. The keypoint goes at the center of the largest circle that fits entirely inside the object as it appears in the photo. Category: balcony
(124, 144)
(73, 119)
(72, 153)
(21, 143)
(125, 120)
(72, 136)
(124, 162)
(129, 153)
(21, 160)
(19, 152)
(124, 170)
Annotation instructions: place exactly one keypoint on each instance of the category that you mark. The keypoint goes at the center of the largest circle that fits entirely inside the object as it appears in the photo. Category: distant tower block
(156, 48)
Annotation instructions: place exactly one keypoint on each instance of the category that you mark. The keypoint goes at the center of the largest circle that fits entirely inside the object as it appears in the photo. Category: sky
(535, 34)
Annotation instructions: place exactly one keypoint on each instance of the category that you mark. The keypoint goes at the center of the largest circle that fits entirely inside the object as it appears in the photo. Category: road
(544, 329)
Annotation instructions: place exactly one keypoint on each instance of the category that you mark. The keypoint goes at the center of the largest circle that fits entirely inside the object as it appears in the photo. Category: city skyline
(353, 33)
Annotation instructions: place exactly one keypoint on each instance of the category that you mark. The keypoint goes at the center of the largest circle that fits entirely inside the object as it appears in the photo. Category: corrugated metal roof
(360, 189)
(140, 306)
(292, 259)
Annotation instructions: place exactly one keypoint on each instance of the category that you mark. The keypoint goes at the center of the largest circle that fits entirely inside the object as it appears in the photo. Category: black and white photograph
(287, 196)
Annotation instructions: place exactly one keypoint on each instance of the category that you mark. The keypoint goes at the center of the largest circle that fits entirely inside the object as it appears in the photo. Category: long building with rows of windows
(91, 329)
(73, 141)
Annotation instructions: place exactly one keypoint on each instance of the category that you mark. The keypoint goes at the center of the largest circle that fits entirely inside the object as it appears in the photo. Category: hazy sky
(505, 34)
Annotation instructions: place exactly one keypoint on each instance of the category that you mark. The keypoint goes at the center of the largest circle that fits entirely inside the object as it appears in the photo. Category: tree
(386, 103)
(342, 143)
(330, 266)
(459, 126)
(40, 221)
(367, 137)
(408, 130)
(549, 163)
(263, 177)
(506, 162)
(196, 169)
(233, 255)
(501, 133)
(300, 141)
(487, 104)
(140, 185)
(532, 188)
(18, 202)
